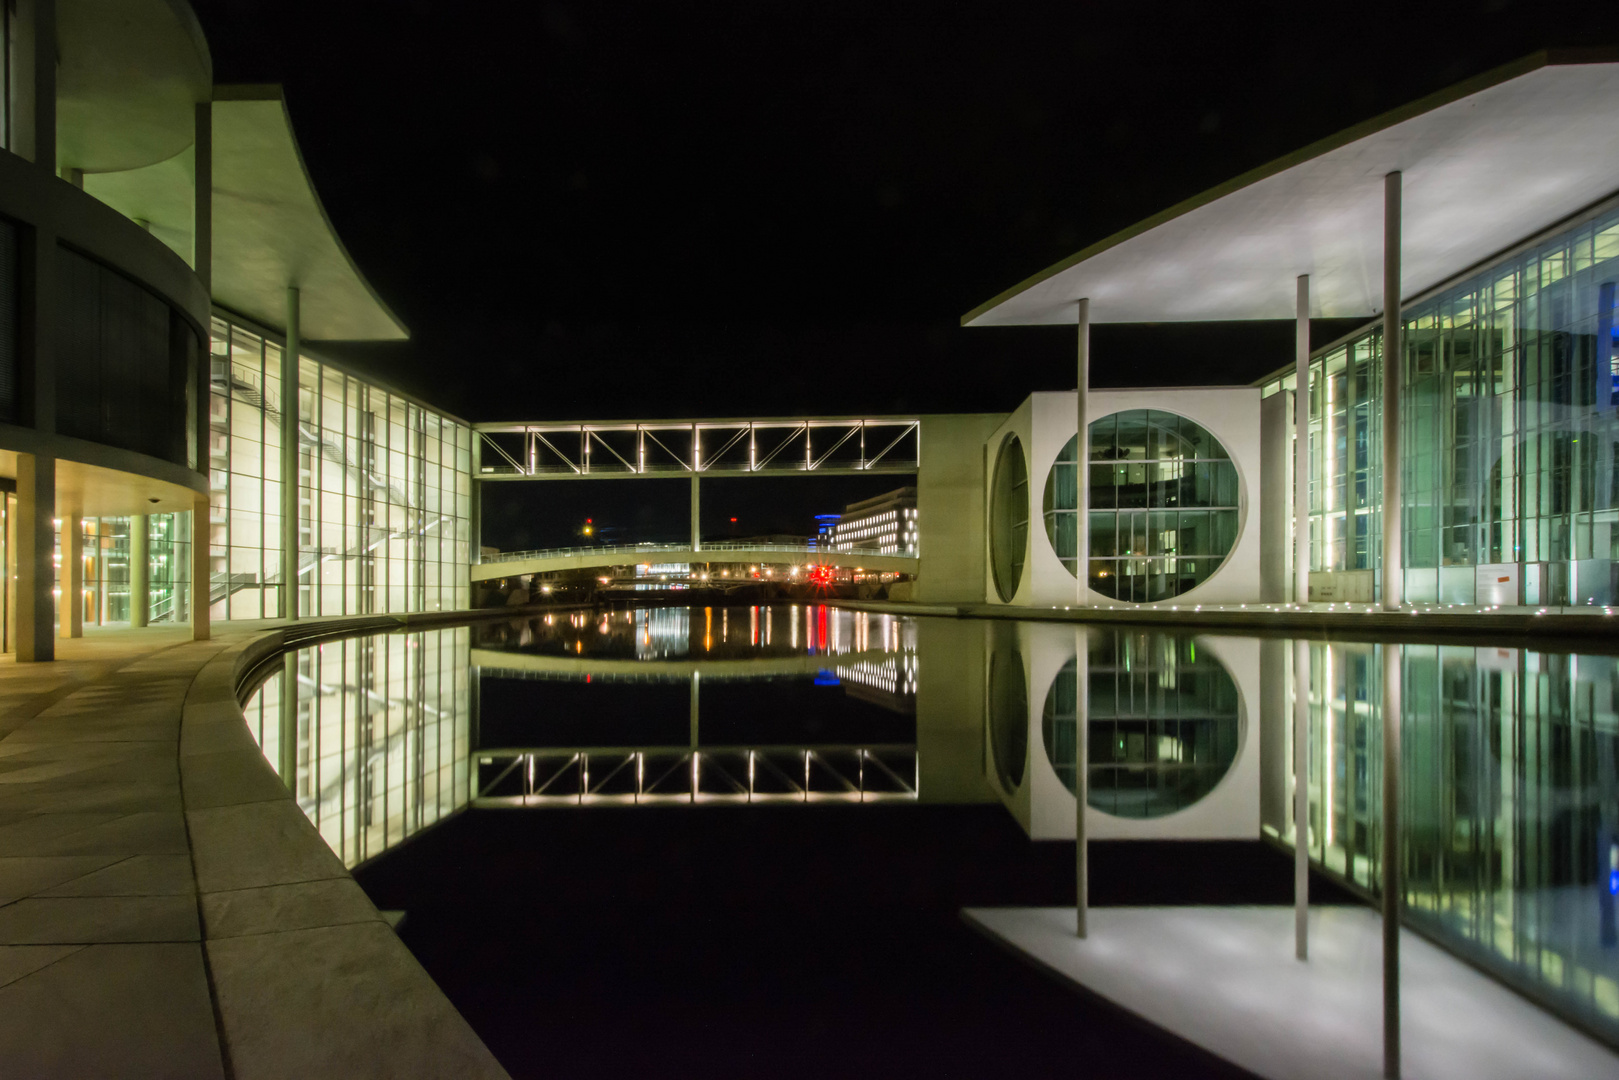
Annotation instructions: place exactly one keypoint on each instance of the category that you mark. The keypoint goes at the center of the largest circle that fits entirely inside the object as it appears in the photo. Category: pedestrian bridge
(518, 563)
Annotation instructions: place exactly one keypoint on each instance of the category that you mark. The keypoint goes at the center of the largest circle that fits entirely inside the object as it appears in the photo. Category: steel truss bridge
(764, 446)
(665, 775)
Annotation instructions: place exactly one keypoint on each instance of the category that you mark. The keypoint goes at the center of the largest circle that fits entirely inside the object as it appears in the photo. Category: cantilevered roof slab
(270, 230)
(128, 75)
(1485, 163)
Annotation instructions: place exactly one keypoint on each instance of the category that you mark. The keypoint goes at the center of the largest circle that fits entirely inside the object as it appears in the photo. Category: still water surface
(832, 785)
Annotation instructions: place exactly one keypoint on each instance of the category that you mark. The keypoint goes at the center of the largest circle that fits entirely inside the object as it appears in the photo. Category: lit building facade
(1510, 413)
(885, 524)
(162, 250)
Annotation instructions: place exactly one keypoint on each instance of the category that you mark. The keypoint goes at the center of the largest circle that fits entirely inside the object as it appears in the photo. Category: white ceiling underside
(1480, 173)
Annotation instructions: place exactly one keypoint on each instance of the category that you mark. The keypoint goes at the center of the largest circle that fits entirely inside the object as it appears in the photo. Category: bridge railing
(718, 546)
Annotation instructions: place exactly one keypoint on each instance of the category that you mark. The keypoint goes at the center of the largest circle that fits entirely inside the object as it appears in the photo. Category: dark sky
(605, 210)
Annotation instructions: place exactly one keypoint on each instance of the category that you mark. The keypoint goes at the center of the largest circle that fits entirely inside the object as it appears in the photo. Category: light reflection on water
(1510, 758)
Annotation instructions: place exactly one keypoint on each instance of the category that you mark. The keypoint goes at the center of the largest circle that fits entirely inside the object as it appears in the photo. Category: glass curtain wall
(384, 490)
(1510, 418)
(376, 742)
(1509, 807)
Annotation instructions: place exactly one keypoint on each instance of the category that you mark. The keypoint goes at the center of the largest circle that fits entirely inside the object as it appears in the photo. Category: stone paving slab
(165, 907)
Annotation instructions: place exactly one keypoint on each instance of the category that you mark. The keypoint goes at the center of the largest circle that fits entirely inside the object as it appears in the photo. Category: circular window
(1163, 726)
(1009, 517)
(1163, 505)
(1008, 708)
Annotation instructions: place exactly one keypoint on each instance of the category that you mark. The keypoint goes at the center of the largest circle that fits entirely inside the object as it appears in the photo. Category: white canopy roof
(1486, 163)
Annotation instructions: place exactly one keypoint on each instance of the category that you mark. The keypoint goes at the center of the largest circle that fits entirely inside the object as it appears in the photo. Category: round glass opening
(1163, 505)
(1163, 728)
(1008, 709)
(1009, 517)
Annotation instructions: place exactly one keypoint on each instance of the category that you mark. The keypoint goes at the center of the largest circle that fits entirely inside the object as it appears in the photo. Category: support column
(201, 576)
(202, 195)
(1393, 883)
(1393, 365)
(70, 604)
(33, 82)
(1082, 780)
(1301, 798)
(696, 515)
(1301, 444)
(36, 569)
(140, 566)
(290, 579)
(1082, 470)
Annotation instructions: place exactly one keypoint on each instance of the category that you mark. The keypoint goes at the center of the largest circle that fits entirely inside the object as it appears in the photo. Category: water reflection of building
(1172, 753)
(376, 742)
(1509, 806)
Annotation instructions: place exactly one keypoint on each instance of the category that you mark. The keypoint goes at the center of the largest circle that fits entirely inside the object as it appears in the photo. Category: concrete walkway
(1225, 979)
(165, 907)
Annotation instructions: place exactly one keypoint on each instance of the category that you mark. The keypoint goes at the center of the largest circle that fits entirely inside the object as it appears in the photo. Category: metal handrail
(707, 546)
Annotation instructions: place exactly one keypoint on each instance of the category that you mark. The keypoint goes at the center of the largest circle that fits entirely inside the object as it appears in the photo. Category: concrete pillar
(696, 515)
(1301, 444)
(33, 82)
(11, 572)
(1082, 779)
(140, 569)
(287, 741)
(36, 564)
(202, 195)
(1393, 885)
(70, 605)
(289, 459)
(1082, 469)
(1393, 365)
(201, 571)
(1301, 798)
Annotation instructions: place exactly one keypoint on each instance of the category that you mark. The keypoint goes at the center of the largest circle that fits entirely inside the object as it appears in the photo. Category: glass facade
(384, 490)
(1510, 425)
(376, 743)
(1509, 807)
(1009, 517)
(1164, 505)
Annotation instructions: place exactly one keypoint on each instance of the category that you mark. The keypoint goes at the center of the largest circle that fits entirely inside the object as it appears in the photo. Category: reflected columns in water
(1082, 712)
(1301, 799)
(695, 676)
(1392, 886)
(287, 744)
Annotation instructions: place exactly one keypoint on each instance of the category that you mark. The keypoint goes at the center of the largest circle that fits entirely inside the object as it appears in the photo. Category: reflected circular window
(1009, 517)
(1164, 505)
(1008, 708)
(1164, 724)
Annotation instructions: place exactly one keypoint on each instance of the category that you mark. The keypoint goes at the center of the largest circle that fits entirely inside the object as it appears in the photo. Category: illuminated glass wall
(1510, 418)
(376, 743)
(384, 490)
(1509, 807)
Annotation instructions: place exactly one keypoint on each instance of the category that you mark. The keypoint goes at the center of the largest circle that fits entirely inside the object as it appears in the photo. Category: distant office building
(884, 524)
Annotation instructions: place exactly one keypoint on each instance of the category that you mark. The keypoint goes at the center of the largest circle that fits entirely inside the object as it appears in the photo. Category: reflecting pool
(1509, 757)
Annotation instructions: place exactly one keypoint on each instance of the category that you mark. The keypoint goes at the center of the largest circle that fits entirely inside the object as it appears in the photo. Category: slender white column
(1393, 885)
(1301, 444)
(289, 458)
(35, 533)
(1393, 364)
(201, 570)
(1082, 840)
(1301, 798)
(70, 607)
(140, 570)
(1082, 469)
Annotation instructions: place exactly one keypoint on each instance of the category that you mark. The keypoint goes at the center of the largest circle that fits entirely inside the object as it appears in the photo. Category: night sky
(653, 209)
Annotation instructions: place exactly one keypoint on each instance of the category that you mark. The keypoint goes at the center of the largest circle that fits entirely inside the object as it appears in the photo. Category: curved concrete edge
(306, 978)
